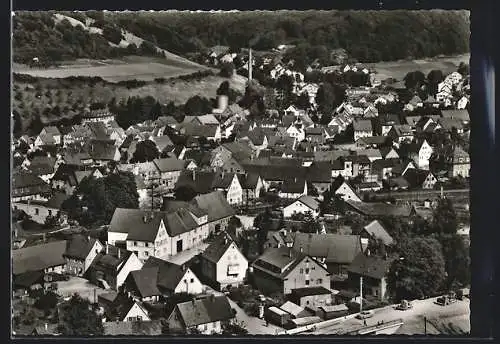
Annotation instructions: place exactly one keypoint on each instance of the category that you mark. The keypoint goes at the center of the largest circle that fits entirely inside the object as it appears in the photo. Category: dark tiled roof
(28, 278)
(415, 177)
(146, 280)
(39, 257)
(362, 125)
(301, 292)
(375, 229)
(218, 247)
(370, 266)
(215, 204)
(335, 248)
(203, 311)
(79, 247)
(293, 186)
(169, 164)
(278, 261)
(379, 209)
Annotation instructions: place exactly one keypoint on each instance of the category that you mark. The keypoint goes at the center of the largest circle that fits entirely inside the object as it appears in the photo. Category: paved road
(186, 255)
(458, 313)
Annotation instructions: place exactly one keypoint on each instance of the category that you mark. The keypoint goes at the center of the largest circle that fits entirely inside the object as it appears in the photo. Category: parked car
(261, 298)
(404, 305)
(446, 300)
(364, 315)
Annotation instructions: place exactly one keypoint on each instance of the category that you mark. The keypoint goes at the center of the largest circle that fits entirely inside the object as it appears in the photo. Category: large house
(362, 128)
(420, 153)
(293, 188)
(80, 253)
(110, 268)
(218, 209)
(169, 170)
(374, 271)
(223, 264)
(302, 205)
(203, 182)
(158, 233)
(283, 269)
(458, 163)
(204, 315)
(158, 278)
(28, 186)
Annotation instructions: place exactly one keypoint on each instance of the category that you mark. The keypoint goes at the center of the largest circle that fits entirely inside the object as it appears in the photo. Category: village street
(413, 318)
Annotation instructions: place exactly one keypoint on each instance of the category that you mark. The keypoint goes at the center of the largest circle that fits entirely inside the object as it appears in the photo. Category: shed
(294, 323)
(277, 316)
(332, 312)
(294, 310)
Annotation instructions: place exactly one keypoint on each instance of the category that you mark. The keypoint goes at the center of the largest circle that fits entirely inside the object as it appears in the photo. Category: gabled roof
(462, 115)
(309, 201)
(198, 130)
(146, 280)
(169, 274)
(415, 177)
(102, 150)
(384, 151)
(52, 130)
(162, 142)
(450, 123)
(402, 130)
(215, 204)
(389, 119)
(309, 291)
(218, 247)
(370, 266)
(362, 125)
(204, 311)
(39, 257)
(380, 209)
(143, 225)
(293, 186)
(248, 181)
(335, 248)
(79, 247)
(279, 261)
(373, 140)
(169, 164)
(375, 229)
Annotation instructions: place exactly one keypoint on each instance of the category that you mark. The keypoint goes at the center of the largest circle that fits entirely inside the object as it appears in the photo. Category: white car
(365, 315)
(261, 298)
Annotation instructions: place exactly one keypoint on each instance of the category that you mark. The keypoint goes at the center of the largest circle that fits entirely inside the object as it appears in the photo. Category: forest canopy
(367, 36)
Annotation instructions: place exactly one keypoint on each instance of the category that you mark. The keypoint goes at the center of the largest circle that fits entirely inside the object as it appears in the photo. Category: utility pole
(360, 294)
(425, 325)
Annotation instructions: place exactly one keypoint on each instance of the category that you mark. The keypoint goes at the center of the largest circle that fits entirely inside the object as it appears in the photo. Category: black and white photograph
(240, 173)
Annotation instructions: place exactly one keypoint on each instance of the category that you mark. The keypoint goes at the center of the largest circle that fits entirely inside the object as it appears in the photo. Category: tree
(197, 105)
(47, 301)
(226, 70)
(434, 77)
(457, 260)
(263, 222)
(311, 225)
(463, 69)
(77, 317)
(421, 272)
(95, 200)
(145, 151)
(302, 101)
(234, 328)
(325, 98)
(414, 80)
(184, 193)
(223, 88)
(444, 217)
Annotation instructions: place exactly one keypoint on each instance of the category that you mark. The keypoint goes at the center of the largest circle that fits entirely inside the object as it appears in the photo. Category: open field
(398, 69)
(145, 69)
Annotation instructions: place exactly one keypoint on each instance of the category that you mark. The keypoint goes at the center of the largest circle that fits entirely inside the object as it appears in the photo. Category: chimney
(107, 248)
(46, 327)
(301, 249)
(194, 175)
(119, 253)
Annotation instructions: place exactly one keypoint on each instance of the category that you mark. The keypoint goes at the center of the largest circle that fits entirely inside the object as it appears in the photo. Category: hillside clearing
(399, 69)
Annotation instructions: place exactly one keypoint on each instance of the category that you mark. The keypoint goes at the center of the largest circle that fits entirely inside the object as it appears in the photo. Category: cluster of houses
(229, 162)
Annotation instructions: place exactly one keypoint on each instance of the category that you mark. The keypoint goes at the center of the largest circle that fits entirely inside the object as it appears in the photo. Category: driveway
(254, 325)
(457, 313)
(81, 287)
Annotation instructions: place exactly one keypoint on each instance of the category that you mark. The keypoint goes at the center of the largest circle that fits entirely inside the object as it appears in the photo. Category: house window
(313, 268)
(37, 211)
(307, 282)
(301, 271)
(307, 271)
(307, 302)
(319, 281)
(135, 243)
(146, 253)
(50, 212)
(192, 280)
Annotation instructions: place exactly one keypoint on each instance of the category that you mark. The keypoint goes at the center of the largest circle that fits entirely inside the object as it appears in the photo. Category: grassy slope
(52, 93)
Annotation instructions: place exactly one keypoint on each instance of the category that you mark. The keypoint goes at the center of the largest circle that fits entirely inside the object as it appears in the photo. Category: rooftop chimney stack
(119, 253)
